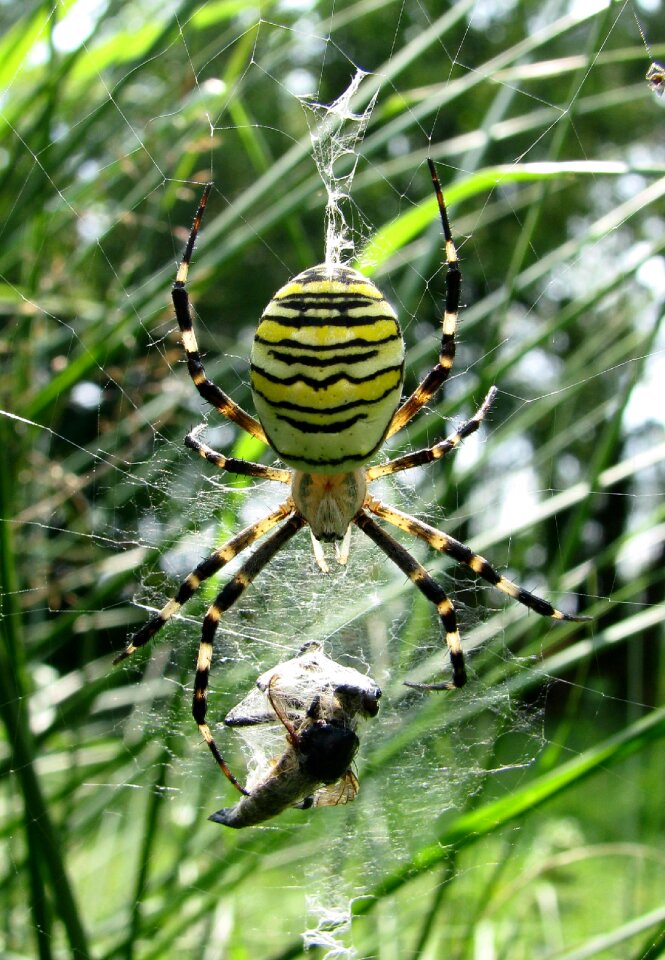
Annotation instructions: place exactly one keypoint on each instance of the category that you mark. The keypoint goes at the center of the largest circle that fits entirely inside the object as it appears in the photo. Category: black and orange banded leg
(210, 392)
(430, 589)
(441, 370)
(206, 569)
(225, 599)
(421, 457)
(246, 467)
(444, 543)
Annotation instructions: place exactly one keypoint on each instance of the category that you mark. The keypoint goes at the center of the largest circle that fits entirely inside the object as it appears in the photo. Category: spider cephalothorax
(326, 377)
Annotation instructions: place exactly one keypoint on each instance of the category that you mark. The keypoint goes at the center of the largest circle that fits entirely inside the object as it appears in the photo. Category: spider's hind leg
(207, 389)
(441, 369)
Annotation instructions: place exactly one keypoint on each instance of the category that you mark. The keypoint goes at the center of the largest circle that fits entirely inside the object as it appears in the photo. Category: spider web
(314, 125)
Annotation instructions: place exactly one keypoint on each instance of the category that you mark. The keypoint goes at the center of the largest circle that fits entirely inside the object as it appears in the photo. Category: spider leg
(440, 371)
(224, 600)
(421, 457)
(232, 464)
(441, 541)
(206, 569)
(429, 588)
(207, 389)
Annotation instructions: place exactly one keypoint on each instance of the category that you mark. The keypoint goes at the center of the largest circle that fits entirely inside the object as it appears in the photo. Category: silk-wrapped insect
(318, 702)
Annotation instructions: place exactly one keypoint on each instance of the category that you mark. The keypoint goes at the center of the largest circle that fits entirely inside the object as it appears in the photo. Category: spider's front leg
(225, 599)
(429, 588)
(206, 569)
(444, 543)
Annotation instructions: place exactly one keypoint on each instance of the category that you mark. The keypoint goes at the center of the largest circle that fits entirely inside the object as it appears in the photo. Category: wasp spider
(326, 378)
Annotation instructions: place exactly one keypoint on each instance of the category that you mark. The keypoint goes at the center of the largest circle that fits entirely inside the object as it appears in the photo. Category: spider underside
(326, 376)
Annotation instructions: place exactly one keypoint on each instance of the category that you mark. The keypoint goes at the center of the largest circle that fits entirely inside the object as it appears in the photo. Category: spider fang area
(329, 501)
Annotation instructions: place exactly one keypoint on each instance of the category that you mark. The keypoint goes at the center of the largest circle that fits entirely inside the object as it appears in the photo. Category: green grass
(521, 817)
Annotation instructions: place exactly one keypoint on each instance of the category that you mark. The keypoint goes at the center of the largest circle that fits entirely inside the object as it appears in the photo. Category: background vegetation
(522, 817)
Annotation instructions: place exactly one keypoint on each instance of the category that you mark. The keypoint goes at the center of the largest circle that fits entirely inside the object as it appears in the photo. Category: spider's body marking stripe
(290, 320)
(338, 281)
(331, 361)
(392, 374)
(344, 464)
(323, 335)
(320, 296)
(316, 348)
(330, 426)
(331, 411)
(328, 343)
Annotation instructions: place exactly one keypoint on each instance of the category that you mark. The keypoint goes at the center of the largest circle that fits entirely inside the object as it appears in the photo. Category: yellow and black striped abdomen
(327, 367)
